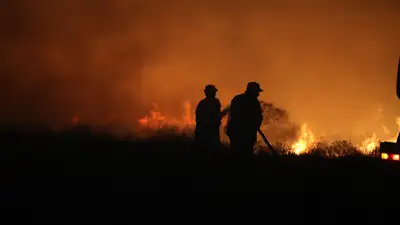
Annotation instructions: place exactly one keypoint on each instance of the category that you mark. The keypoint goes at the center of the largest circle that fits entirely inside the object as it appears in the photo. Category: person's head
(253, 89)
(210, 91)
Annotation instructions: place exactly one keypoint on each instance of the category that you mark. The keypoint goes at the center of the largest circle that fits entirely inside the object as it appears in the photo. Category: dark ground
(64, 177)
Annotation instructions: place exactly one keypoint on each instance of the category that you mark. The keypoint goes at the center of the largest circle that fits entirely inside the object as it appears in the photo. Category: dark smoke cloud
(329, 63)
(69, 57)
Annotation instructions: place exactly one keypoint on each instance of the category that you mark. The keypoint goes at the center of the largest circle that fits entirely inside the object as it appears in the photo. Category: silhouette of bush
(277, 125)
(338, 148)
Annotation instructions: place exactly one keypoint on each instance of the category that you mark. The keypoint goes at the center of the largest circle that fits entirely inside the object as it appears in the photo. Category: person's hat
(254, 86)
(210, 88)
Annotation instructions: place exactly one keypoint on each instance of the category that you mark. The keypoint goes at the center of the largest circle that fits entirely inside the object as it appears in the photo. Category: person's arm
(225, 111)
(229, 111)
(219, 111)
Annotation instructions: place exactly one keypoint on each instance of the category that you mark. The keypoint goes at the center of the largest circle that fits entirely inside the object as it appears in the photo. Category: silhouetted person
(245, 119)
(208, 120)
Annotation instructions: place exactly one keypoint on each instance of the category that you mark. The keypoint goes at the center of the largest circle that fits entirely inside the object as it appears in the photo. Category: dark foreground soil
(60, 179)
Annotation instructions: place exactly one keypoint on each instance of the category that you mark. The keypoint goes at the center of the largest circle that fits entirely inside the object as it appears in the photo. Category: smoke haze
(329, 63)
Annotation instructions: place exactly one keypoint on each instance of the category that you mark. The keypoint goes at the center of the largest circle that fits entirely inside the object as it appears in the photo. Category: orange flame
(305, 141)
(369, 144)
(372, 143)
(158, 121)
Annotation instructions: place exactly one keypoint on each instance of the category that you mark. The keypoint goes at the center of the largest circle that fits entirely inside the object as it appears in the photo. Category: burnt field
(57, 169)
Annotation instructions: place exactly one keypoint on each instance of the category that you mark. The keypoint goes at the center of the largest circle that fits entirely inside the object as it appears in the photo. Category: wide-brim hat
(210, 88)
(254, 86)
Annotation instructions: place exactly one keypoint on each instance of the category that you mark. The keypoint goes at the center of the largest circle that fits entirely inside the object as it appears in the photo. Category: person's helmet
(254, 87)
(210, 89)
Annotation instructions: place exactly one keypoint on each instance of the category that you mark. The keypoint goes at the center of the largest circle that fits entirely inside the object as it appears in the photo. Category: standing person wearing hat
(208, 121)
(245, 118)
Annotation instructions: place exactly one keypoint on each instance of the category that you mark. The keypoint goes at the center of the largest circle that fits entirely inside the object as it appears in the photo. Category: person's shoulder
(201, 102)
(238, 97)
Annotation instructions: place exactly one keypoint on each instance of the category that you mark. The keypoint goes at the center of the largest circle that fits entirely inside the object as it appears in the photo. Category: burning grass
(306, 146)
(289, 137)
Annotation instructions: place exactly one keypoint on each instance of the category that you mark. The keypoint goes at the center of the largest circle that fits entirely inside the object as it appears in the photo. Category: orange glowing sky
(331, 64)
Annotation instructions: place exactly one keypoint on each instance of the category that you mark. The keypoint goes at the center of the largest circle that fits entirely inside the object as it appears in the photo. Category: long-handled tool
(267, 142)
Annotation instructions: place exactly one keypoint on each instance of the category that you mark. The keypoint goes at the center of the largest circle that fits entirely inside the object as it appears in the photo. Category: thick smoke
(328, 63)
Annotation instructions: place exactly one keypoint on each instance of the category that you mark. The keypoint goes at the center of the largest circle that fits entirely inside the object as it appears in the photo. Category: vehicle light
(396, 157)
(384, 156)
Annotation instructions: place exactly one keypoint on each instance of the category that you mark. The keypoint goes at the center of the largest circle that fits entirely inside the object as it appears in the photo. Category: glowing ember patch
(384, 156)
(395, 157)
